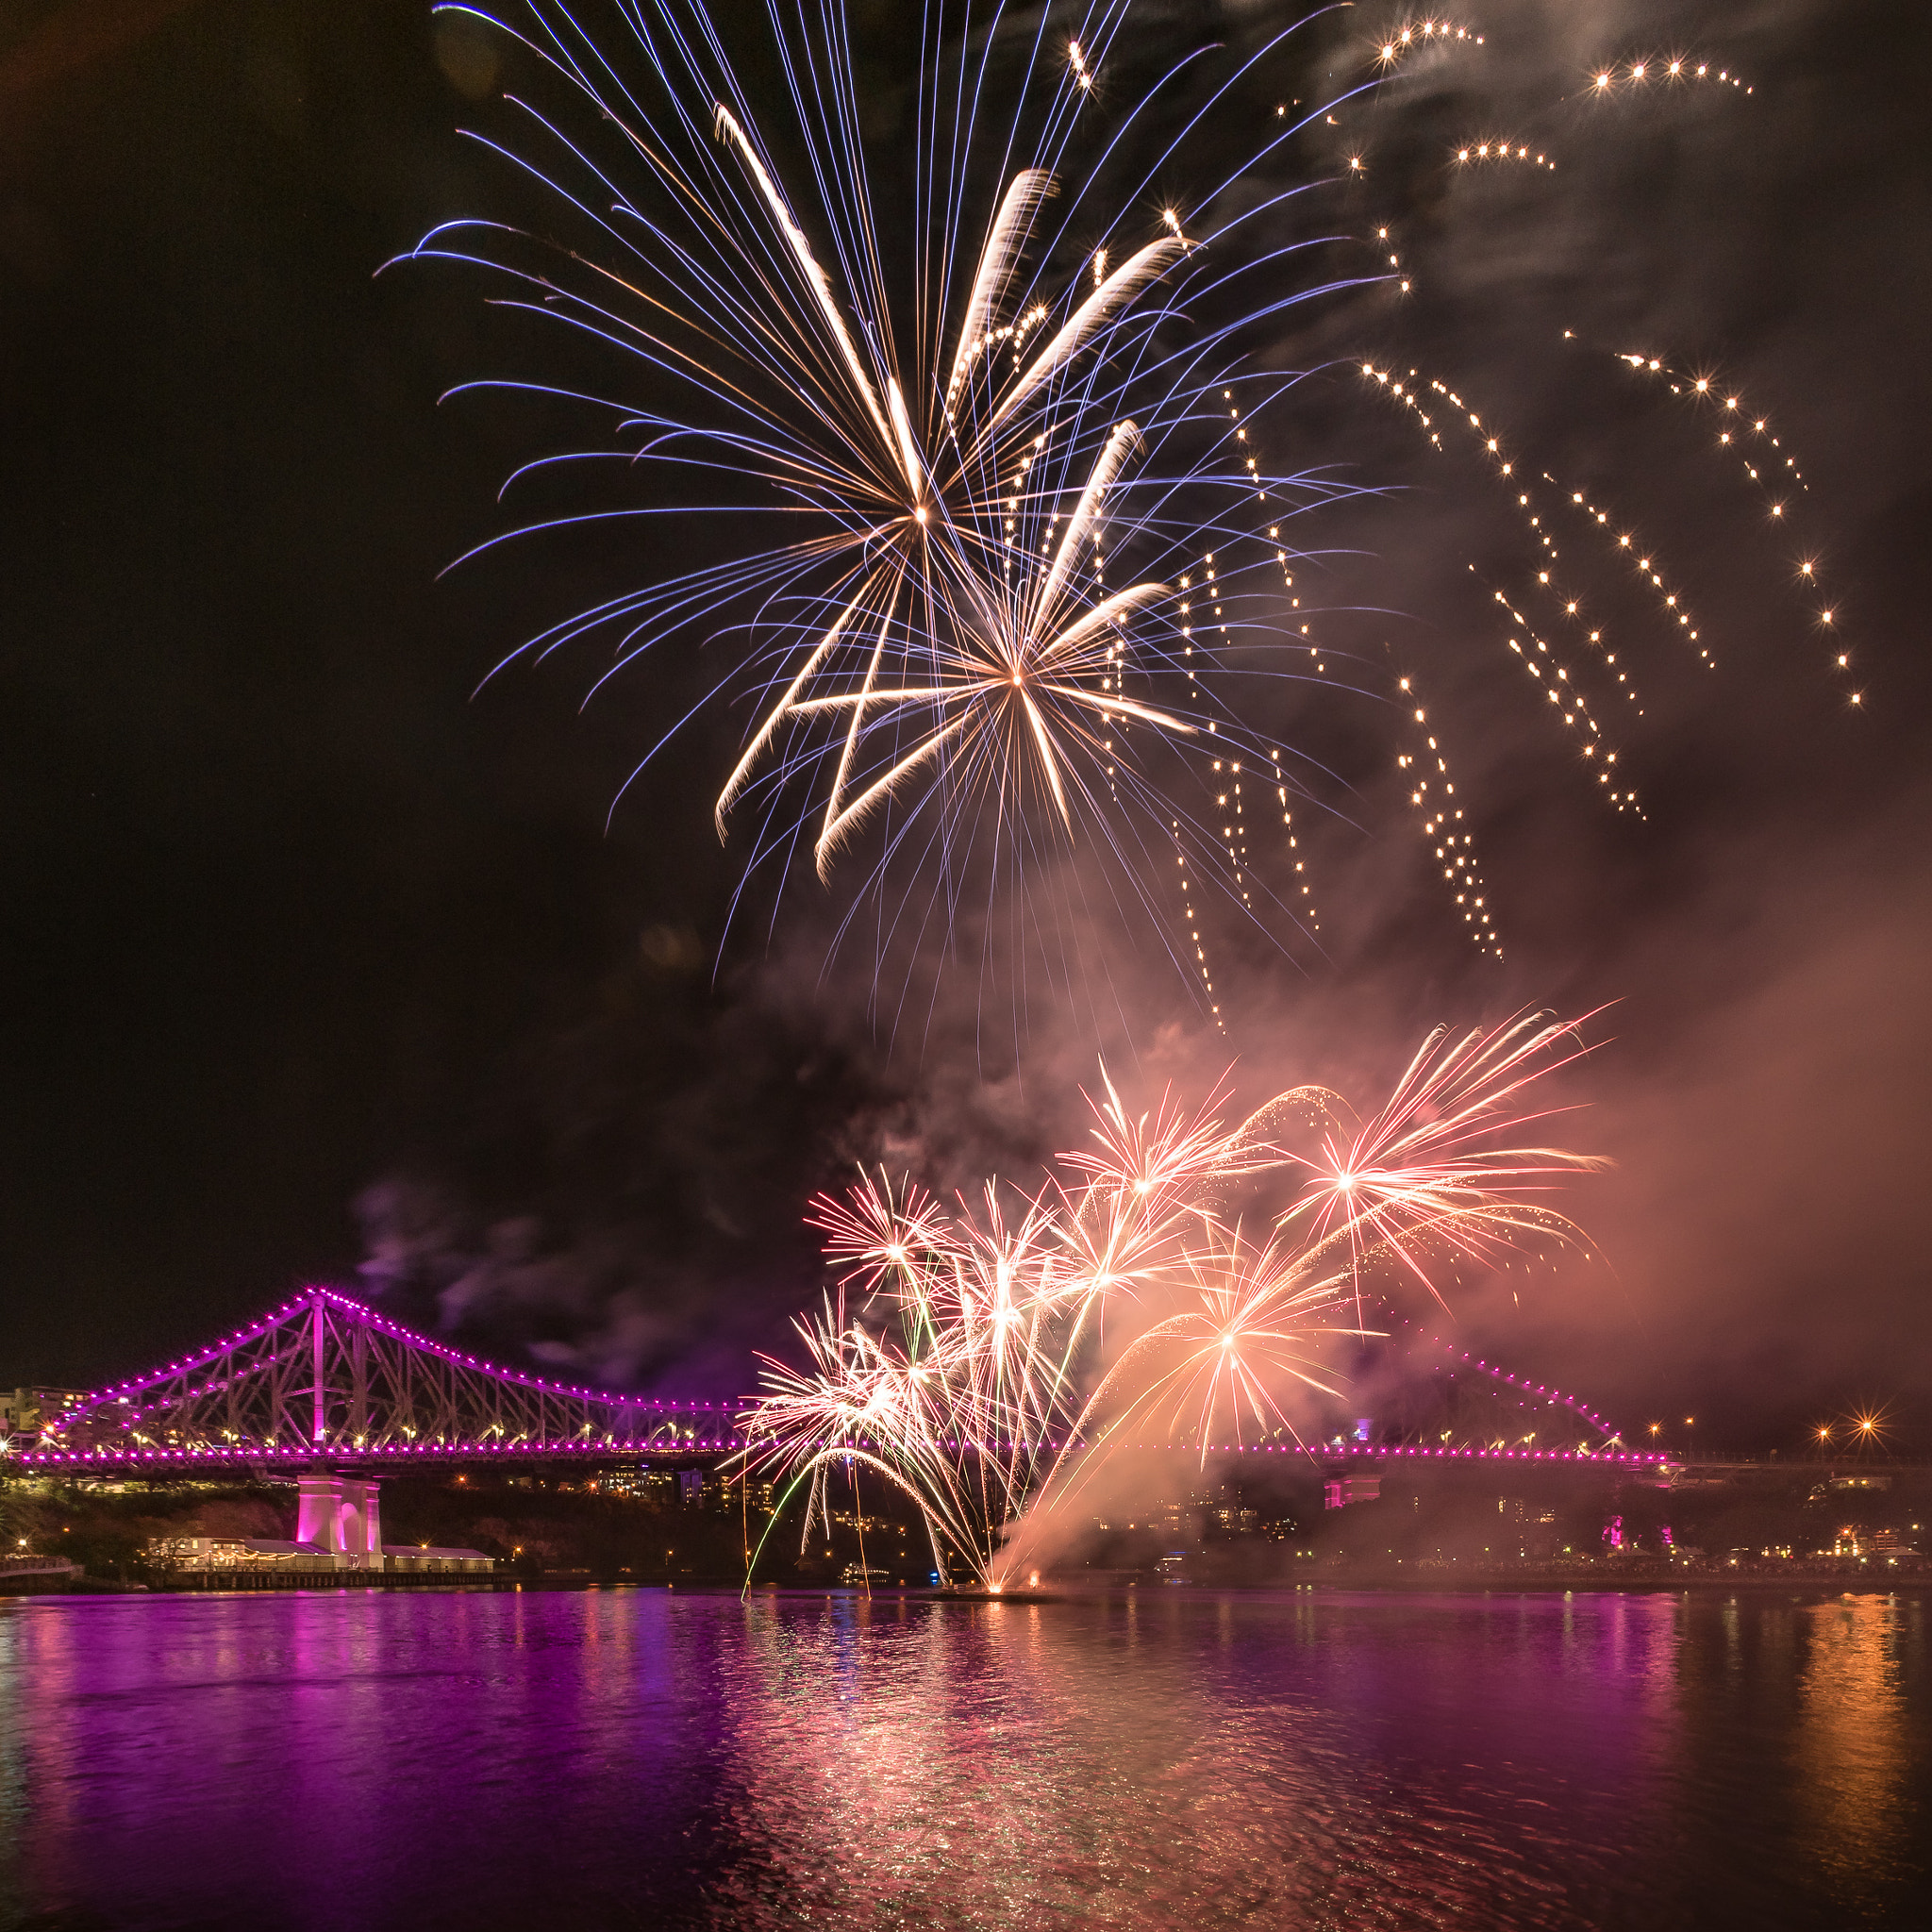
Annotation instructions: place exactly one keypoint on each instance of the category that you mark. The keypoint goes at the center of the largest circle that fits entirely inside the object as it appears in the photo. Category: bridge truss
(323, 1378)
(326, 1380)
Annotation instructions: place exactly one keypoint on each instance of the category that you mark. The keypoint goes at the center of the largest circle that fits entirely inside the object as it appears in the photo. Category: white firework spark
(966, 433)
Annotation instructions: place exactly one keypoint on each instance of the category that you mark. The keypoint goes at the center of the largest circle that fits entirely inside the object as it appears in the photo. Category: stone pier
(342, 1515)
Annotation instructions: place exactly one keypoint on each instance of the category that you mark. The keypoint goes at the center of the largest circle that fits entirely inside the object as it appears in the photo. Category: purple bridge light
(326, 1382)
(323, 1378)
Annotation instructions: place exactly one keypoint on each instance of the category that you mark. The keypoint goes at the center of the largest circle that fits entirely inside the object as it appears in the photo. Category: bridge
(337, 1396)
(325, 1377)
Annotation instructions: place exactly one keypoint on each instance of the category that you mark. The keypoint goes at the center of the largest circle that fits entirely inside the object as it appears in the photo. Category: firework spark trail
(1667, 70)
(1671, 609)
(1671, 70)
(1419, 34)
(1637, 74)
(1444, 824)
(1743, 433)
(1017, 608)
(1449, 834)
(965, 1356)
(1410, 1170)
(1504, 472)
(938, 661)
(1481, 153)
(1747, 436)
(1618, 539)
(1574, 706)
(1773, 472)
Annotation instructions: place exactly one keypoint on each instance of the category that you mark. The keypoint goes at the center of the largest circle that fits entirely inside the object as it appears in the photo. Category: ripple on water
(1149, 1759)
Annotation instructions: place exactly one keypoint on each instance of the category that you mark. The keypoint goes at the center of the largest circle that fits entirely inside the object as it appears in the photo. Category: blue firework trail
(1012, 549)
(976, 433)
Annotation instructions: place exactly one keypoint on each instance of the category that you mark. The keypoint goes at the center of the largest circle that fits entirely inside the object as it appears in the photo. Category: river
(1150, 1757)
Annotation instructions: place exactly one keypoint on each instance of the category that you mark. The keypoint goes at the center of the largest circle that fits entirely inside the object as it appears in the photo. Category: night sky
(320, 965)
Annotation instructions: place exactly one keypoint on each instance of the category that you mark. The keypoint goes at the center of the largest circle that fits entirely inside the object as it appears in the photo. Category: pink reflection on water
(1147, 1758)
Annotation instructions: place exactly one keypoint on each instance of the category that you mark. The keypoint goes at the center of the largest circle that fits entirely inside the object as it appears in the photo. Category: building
(236, 1553)
(254, 1553)
(26, 1411)
(649, 1485)
(409, 1557)
(1230, 1516)
(1340, 1491)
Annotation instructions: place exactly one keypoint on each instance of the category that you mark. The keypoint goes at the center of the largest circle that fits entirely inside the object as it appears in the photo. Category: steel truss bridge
(325, 1379)
(323, 1383)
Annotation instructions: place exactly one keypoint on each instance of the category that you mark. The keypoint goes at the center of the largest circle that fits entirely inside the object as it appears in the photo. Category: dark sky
(314, 965)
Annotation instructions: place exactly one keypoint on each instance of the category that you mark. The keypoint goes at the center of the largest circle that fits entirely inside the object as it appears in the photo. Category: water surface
(1152, 1758)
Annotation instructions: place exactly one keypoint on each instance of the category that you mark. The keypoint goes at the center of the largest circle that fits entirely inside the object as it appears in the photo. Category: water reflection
(1150, 1759)
(1854, 1748)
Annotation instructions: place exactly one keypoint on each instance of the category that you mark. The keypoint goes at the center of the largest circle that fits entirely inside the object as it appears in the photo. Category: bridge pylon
(342, 1514)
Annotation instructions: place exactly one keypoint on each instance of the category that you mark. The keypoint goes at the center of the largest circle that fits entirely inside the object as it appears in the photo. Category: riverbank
(1802, 1579)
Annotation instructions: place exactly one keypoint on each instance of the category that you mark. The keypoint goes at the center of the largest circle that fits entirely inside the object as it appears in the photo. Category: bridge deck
(394, 1457)
(323, 1380)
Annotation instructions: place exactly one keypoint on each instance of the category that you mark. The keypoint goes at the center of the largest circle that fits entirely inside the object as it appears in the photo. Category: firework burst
(972, 428)
(988, 1357)
(993, 438)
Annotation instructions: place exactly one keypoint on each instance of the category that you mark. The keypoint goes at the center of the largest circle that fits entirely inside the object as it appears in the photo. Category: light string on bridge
(127, 1408)
(151, 1455)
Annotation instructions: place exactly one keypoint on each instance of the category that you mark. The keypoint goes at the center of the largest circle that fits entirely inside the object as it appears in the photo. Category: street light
(1867, 1428)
